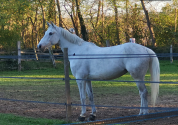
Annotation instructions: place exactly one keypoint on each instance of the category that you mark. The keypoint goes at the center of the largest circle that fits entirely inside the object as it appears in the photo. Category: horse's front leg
(90, 96)
(82, 91)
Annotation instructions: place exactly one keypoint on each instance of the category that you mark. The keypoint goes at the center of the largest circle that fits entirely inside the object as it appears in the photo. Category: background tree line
(94, 20)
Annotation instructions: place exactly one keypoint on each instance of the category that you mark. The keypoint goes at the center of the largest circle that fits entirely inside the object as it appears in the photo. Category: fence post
(35, 53)
(171, 58)
(107, 43)
(19, 55)
(52, 57)
(67, 84)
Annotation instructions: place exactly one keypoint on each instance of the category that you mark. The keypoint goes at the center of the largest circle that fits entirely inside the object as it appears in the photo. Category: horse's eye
(50, 33)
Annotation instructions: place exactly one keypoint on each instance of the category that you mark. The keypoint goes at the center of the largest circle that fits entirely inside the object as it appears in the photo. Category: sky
(155, 5)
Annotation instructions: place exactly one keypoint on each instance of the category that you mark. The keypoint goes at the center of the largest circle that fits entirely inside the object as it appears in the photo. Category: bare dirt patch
(52, 111)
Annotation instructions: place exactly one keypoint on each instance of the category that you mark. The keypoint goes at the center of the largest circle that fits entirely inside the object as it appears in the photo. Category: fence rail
(90, 56)
(133, 118)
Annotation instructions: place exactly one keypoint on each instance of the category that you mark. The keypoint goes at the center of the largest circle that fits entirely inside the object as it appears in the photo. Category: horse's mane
(71, 37)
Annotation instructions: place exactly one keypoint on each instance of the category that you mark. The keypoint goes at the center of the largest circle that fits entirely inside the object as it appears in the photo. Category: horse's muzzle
(39, 46)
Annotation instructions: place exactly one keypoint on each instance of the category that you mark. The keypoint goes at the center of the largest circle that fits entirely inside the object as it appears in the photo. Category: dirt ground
(53, 111)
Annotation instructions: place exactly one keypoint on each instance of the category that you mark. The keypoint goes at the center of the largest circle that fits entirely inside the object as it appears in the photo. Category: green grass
(50, 90)
(169, 73)
(9, 119)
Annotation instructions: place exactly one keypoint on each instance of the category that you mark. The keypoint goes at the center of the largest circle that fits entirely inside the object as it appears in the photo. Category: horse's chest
(79, 69)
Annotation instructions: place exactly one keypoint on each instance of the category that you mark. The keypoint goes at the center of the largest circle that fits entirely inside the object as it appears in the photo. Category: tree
(82, 24)
(149, 23)
(25, 20)
(51, 11)
(41, 2)
(164, 27)
(12, 15)
(59, 12)
(127, 28)
(117, 22)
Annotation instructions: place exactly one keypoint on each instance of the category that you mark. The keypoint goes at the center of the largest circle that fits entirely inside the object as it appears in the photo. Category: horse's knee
(90, 98)
(83, 100)
(144, 93)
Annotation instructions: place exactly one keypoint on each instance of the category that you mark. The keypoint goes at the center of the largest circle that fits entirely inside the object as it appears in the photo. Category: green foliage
(164, 27)
(23, 20)
(9, 39)
(11, 64)
(12, 13)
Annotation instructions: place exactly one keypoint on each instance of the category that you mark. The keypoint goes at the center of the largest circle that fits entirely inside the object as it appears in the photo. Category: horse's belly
(107, 75)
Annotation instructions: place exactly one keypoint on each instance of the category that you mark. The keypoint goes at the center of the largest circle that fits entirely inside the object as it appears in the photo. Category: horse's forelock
(71, 37)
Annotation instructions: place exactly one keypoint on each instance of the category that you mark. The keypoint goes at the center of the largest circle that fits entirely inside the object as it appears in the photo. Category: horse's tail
(155, 76)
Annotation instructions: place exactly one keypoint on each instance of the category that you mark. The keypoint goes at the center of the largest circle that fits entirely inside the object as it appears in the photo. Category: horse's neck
(66, 44)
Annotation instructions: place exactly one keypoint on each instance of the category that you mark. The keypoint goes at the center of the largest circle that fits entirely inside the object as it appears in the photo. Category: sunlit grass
(9, 119)
(53, 87)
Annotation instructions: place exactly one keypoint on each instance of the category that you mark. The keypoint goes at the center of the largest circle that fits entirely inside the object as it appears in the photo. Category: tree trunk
(82, 24)
(127, 25)
(23, 34)
(117, 22)
(75, 18)
(59, 12)
(51, 11)
(34, 25)
(175, 26)
(102, 16)
(98, 14)
(149, 24)
(43, 13)
(35, 28)
(135, 22)
(43, 19)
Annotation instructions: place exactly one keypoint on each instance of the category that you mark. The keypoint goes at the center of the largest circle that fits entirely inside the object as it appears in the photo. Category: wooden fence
(35, 54)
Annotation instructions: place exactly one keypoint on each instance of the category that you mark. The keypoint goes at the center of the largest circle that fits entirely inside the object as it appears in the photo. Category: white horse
(134, 58)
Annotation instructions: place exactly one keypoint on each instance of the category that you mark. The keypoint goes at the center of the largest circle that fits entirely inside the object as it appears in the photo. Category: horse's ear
(48, 24)
(52, 24)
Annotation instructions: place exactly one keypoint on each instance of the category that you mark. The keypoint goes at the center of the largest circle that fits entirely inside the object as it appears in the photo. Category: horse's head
(50, 38)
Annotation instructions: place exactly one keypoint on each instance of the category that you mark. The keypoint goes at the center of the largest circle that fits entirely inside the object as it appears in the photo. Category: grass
(50, 90)
(9, 119)
(168, 74)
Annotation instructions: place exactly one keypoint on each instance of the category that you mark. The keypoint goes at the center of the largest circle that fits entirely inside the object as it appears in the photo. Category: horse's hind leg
(138, 74)
(143, 95)
(90, 96)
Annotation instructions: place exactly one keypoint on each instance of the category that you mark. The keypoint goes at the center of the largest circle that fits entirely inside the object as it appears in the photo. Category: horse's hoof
(92, 118)
(81, 119)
